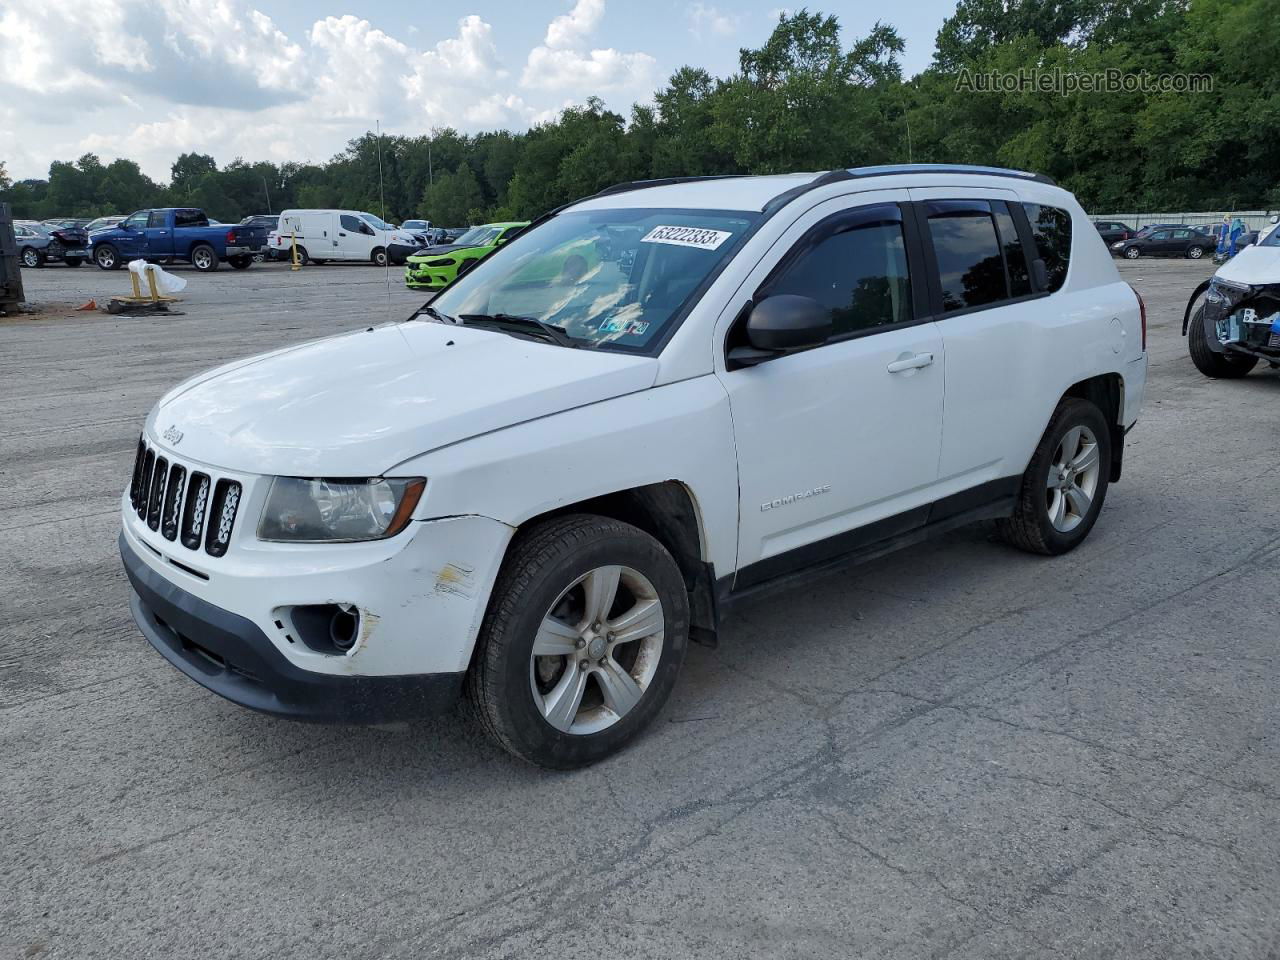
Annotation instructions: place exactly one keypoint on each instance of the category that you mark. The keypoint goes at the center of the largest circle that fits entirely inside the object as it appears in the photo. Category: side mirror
(781, 324)
(1275, 219)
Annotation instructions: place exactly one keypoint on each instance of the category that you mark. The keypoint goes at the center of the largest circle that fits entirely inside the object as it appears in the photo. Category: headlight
(438, 263)
(1118, 244)
(338, 510)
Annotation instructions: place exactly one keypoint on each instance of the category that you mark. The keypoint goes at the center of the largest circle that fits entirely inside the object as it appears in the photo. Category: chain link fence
(1254, 219)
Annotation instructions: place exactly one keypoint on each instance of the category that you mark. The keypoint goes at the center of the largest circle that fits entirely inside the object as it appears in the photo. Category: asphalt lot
(957, 751)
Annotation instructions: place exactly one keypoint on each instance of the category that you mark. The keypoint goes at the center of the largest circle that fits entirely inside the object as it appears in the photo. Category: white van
(324, 235)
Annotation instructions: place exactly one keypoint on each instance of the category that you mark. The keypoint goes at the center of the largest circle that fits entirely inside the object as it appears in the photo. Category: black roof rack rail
(660, 182)
(919, 168)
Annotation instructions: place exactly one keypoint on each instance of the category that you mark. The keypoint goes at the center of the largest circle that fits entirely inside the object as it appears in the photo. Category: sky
(276, 80)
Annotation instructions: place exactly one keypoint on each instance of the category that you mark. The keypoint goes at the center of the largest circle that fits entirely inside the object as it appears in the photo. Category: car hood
(443, 248)
(358, 404)
(1252, 266)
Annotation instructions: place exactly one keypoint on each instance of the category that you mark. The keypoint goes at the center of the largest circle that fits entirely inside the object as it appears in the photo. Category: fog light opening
(343, 627)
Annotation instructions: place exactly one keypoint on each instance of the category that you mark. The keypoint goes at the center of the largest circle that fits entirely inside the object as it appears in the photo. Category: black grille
(194, 512)
(222, 515)
(148, 468)
(171, 513)
(187, 506)
(156, 496)
(1274, 341)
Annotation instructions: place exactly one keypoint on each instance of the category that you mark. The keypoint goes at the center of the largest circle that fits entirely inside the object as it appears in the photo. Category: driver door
(838, 445)
(131, 240)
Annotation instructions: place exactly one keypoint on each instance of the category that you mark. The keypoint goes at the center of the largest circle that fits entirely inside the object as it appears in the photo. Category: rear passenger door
(982, 286)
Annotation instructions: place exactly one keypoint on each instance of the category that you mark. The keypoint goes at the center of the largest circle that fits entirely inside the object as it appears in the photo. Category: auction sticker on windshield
(699, 237)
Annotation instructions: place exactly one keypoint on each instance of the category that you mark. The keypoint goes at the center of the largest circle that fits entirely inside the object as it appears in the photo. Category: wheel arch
(669, 513)
(1106, 392)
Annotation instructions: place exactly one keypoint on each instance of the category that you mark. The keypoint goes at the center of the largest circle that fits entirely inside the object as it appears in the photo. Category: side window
(349, 223)
(189, 218)
(137, 221)
(1159, 235)
(1182, 234)
(156, 219)
(1015, 258)
(858, 272)
(967, 247)
(1051, 227)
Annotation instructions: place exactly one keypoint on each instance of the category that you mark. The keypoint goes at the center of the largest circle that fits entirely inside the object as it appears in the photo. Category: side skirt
(989, 501)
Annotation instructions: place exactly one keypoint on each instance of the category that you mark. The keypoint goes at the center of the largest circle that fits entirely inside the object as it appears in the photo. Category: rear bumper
(230, 655)
(247, 250)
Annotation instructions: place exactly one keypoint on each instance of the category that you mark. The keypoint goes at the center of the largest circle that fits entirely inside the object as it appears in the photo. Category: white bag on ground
(165, 282)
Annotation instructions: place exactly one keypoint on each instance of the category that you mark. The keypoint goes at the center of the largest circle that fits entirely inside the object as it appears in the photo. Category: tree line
(808, 100)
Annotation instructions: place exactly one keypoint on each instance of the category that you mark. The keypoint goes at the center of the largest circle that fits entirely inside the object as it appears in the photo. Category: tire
(379, 256)
(1195, 253)
(31, 258)
(1221, 366)
(204, 258)
(545, 580)
(106, 257)
(303, 259)
(240, 263)
(1132, 253)
(1037, 524)
(73, 261)
(319, 263)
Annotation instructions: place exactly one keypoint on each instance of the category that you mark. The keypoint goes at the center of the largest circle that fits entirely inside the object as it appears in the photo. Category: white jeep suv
(543, 485)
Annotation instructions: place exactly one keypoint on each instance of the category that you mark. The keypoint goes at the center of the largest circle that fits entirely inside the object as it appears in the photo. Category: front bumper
(230, 655)
(428, 278)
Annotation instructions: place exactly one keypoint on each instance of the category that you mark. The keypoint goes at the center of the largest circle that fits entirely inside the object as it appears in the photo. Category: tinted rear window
(970, 267)
(1051, 227)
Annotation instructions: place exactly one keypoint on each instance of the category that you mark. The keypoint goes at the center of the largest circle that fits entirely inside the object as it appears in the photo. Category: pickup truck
(176, 233)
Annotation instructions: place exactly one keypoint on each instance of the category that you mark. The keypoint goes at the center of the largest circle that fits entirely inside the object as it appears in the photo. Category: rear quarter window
(1051, 228)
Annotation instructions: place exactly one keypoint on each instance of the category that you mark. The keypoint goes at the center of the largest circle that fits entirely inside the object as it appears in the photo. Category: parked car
(436, 266)
(176, 233)
(39, 243)
(544, 491)
(1111, 230)
(1177, 241)
(102, 223)
(269, 222)
(63, 222)
(1237, 323)
(325, 235)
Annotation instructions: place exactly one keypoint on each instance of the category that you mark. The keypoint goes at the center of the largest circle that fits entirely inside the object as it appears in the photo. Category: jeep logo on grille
(173, 434)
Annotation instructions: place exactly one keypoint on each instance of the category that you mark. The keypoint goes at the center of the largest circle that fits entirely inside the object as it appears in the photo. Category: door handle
(910, 363)
(342, 234)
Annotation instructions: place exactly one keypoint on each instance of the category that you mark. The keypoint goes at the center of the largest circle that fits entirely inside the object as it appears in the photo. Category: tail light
(1142, 316)
(231, 237)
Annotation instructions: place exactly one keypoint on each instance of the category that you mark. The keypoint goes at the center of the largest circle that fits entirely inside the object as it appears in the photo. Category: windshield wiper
(532, 325)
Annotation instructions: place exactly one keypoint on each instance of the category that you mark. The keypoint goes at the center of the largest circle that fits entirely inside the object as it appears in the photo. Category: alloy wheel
(1073, 479)
(597, 650)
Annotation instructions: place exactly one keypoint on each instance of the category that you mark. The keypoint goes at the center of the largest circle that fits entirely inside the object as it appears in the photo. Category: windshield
(1272, 239)
(375, 222)
(616, 278)
(414, 224)
(479, 236)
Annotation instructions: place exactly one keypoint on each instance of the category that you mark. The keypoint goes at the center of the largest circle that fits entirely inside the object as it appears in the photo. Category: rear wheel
(1195, 253)
(31, 257)
(1065, 484)
(204, 259)
(1223, 366)
(106, 257)
(585, 634)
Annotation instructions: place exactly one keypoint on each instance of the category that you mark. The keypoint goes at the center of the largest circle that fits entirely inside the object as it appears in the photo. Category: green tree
(455, 199)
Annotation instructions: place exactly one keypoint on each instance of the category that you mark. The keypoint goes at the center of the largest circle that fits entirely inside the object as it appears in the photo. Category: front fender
(1186, 316)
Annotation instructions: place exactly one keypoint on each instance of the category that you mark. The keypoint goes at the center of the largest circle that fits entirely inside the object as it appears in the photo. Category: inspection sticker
(699, 237)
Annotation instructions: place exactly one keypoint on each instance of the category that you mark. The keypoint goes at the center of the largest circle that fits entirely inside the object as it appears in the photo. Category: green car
(437, 266)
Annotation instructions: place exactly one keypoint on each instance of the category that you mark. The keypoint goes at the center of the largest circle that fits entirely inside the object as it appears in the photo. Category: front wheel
(585, 634)
(31, 257)
(106, 257)
(1132, 253)
(1065, 484)
(204, 259)
(73, 261)
(378, 256)
(1223, 366)
(241, 262)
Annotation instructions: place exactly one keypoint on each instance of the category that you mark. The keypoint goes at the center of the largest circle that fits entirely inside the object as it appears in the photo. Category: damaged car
(1232, 320)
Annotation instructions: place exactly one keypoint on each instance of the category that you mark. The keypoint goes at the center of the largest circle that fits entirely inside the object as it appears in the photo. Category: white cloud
(599, 69)
(560, 63)
(705, 19)
(573, 27)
